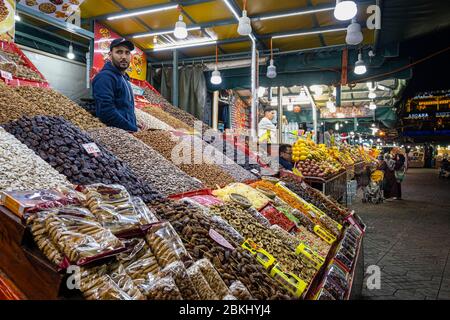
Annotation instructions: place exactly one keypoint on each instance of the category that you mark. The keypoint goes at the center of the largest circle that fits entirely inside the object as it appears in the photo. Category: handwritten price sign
(92, 148)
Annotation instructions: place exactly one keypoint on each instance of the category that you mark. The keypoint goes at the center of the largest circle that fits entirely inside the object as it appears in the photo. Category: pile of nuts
(242, 221)
(61, 144)
(14, 64)
(164, 142)
(147, 121)
(52, 103)
(193, 227)
(167, 118)
(182, 115)
(13, 106)
(22, 169)
(148, 164)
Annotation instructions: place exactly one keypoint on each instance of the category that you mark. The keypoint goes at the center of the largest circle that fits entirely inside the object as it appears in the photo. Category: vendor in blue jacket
(114, 99)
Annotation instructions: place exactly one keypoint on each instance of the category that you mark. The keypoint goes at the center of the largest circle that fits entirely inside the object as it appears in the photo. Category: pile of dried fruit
(13, 106)
(52, 103)
(148, 164)
(61, 144)
(243, 222)
(167, 118)
(22, 169)
(232, 265)
(167, 144)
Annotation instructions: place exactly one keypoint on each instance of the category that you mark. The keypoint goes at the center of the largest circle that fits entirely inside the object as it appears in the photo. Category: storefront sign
(432, 103)
(7, 22)
(418, 116)
(345, 113)
(103, 39)
(59, 9)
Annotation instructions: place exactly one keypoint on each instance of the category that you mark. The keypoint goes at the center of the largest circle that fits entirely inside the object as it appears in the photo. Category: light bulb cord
(245, 5)
(217, 55)
(271, 48)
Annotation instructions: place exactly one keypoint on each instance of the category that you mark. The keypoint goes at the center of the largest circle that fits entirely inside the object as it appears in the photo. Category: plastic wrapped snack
(226, 229)
(324, 295)
(213, 278)
(139, 263)
(115, 208)
(257, 199)
(43, 241)
(166, 244)
(97, 284)
(259, 217)
(229, 297)
(239, 290)
(200, 283)
(286, 237)
(164, 289)
(79, 237)
(126, 284)
(179, 274)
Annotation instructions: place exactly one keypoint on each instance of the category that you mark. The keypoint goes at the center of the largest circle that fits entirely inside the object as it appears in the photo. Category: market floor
(410, 239)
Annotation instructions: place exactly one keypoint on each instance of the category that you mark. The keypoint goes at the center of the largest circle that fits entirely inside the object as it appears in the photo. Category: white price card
(91, 148)
(6, 75)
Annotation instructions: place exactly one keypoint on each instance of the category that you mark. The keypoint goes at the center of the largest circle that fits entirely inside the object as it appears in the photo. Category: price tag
(303, 185)
(91, 148)
(254, 171)
(217, 237)
(6, 75)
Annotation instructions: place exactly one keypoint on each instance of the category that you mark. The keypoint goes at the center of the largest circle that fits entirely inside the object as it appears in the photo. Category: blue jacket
(114, 100)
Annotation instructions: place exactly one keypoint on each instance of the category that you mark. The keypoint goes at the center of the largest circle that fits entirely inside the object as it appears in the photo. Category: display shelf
(335, 186)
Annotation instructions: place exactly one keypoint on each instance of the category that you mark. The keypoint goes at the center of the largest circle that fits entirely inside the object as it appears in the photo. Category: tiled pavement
(410, 239)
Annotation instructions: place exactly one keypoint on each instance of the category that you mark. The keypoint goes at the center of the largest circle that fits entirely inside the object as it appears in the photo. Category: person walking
(399, 171)
(389, 182)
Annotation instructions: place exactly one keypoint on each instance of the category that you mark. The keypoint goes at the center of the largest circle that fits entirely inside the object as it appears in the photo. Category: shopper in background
(389, 182)
(399, 170)
(328, 138)
(114, 99)
(267, 131)
(286, 157)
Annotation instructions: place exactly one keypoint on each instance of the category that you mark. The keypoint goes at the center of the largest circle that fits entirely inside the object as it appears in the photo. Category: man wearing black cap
(114, 99)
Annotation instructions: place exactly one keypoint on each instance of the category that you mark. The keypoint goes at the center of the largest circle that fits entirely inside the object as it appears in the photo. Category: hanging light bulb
(303, 97)
(155, 39)
(245, 27)
(70, 54)
(372, 105)
(372, 94)
(271, 69)
(261, 92)
(345, 10)
(336, 126)
(360, 66)
(180, 31)
(216, 78)
(354, 34)
(334, 91)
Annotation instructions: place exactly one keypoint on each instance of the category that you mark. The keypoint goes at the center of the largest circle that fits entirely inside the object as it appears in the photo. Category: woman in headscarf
(390, 182)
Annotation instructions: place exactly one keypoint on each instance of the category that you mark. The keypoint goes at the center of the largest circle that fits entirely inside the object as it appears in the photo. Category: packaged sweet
(178, 272)
(324, 295)
(213, 278)
(206, 200)
(277, 218)
(166, 244)
(164, 289)
(229, 297)
(259, 217)
(139, 263)
(226, 229)
(200, 283)
(126, 284)
(239, 290)
(115, 208)
(79, 237)
(26, 202)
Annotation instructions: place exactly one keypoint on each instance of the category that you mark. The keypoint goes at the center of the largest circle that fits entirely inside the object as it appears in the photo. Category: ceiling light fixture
(70, 54)
(293, 14)
(345, 10)
(308, 33)
(354, 34)
(141, 12)
(360, 66)
(372, 106)
(216, 78)
(245, 26)
(160, 33)
(180, 31)
(186, 44)
(372, 94)
(271, 69)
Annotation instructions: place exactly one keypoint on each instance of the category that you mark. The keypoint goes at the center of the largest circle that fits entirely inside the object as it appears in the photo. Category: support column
(280, 115)
(215, 117)
(175, 79)
(254, 109)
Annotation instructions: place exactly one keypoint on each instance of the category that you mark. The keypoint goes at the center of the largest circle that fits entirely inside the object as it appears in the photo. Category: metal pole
(314, 113)
(175, 79)
(215, 119)
(280, 114)
(254, 111)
